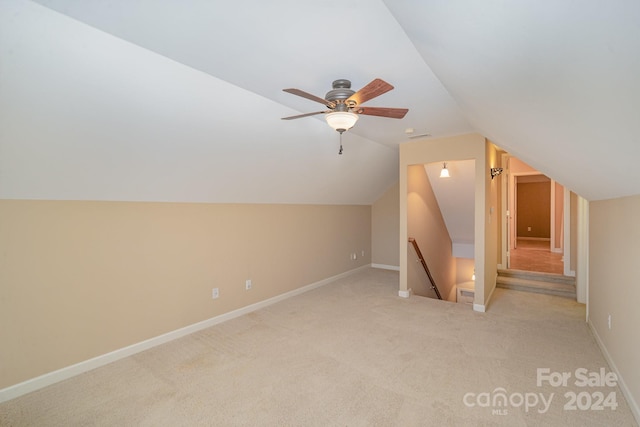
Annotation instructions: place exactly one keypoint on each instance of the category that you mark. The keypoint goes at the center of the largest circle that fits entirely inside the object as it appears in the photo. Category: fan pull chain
(340, 152)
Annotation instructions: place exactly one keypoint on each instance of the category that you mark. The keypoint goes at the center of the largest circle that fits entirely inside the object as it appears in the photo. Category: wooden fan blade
(309, 96)
(392, 113)
(376, 88)
(303, 115)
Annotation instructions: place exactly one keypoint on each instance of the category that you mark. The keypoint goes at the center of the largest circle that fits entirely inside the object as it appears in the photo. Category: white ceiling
(554, 82)
(181, 100)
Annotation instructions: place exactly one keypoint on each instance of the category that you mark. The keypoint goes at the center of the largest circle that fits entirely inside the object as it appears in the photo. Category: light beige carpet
(351, 353)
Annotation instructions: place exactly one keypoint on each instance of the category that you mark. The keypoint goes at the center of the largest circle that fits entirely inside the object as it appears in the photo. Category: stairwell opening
(441, 219)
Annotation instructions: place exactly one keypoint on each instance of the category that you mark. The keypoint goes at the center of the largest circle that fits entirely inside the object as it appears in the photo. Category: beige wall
(461, 147)
(517, 166)
(385, 228)
(426, 224)
(80, 279)
(573, 212)
(492, 220)
(614, 289)
(464, 270)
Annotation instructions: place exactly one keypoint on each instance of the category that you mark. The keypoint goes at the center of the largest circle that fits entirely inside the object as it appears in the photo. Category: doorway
(535, 217)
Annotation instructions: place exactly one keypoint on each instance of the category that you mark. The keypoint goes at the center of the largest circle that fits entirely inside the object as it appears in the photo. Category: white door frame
(582, 264)
(509, 215)
(505, 212)
(554, 231)
(566, 257)
(513, 212)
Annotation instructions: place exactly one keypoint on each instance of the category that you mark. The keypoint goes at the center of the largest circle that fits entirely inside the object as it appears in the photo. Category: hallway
(535, 255)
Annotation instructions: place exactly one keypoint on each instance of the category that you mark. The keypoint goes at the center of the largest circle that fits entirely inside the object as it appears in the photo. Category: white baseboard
(405, 294)
(386, 267)
(479, 307)
(49, 378)
(633, 405)
(482, 308)
(540, 239)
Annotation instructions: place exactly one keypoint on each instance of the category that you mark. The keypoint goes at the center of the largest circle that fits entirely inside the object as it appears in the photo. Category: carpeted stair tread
(531, 281)
(524, 284)
(537, 276)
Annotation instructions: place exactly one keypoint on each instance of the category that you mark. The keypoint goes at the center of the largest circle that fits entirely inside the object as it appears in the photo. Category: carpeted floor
(351, 353)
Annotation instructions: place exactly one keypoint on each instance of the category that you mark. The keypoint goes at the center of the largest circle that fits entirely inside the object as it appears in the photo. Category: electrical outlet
(609, 322)
(362, 253)
(528, 228)
(215, 293)
(247, 284)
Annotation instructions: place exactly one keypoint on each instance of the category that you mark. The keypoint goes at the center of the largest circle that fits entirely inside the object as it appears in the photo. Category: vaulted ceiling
(170, 100)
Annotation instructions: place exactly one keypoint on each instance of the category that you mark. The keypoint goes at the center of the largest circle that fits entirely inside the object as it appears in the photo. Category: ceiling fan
(344, 104)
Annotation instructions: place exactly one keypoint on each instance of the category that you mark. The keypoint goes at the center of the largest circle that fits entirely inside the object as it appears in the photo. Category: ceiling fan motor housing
(340, 93)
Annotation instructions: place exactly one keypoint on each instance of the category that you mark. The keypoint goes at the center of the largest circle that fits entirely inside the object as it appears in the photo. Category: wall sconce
(444, 173)
(495, 172)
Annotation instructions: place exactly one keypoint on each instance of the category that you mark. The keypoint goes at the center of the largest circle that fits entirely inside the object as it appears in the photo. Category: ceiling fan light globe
(341, 120)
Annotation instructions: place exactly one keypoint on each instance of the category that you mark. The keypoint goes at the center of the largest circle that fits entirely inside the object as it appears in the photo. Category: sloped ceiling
(555, 83)
(181, 100)
(456, 199)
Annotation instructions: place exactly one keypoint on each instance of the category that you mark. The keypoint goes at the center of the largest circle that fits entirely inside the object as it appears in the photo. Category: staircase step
(537, 286)
(534, 275)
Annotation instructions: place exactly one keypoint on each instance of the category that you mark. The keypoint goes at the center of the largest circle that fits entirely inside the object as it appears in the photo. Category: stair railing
(424, 264)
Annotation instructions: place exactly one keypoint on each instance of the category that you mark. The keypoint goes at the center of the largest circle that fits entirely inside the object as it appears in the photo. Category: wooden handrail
(424, 264)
